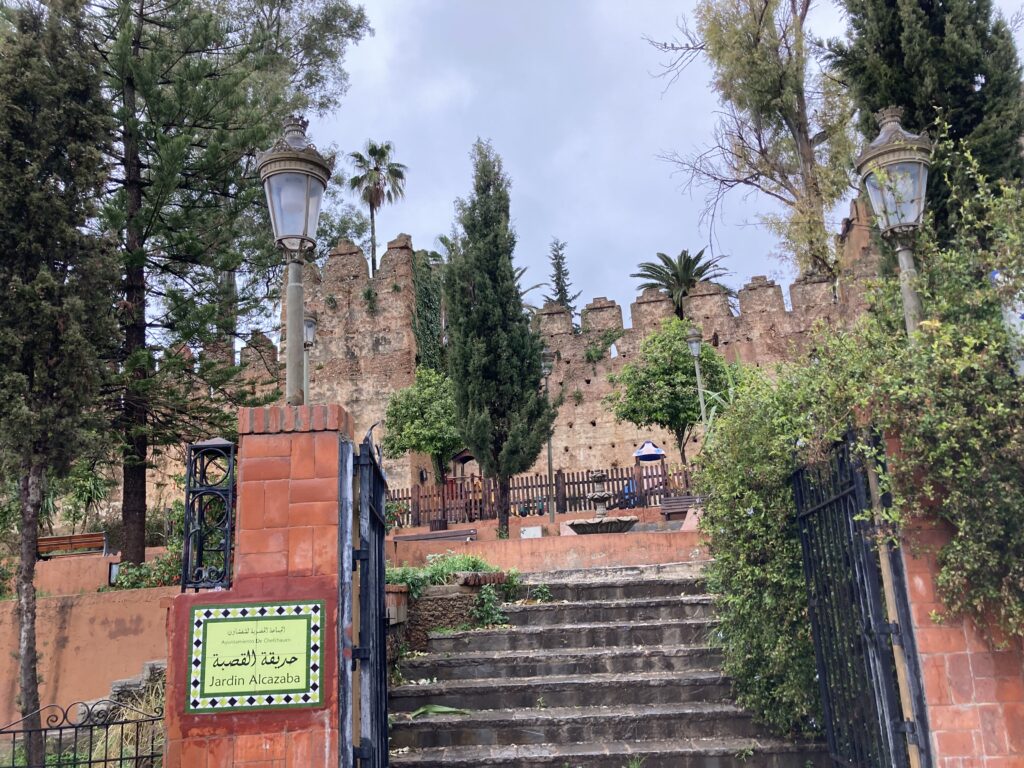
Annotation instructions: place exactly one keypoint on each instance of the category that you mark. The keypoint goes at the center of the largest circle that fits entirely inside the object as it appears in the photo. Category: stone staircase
(619, 671)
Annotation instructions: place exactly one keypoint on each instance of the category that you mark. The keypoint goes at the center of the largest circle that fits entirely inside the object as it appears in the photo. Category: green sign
(255, 656)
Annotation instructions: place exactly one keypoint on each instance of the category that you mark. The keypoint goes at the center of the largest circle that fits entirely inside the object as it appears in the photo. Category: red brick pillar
(286, 550)
(974, 692)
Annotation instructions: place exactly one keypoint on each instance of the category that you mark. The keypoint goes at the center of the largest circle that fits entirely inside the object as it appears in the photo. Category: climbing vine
(426, 274)
(597, 349)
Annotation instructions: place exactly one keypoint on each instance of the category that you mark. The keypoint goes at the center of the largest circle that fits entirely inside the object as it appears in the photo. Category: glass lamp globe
(547, 362)
(894, 170)
(294, 176)
(693, 341)
(309, 322)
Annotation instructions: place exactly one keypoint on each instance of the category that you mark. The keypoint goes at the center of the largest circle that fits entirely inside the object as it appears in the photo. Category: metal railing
(104, 733)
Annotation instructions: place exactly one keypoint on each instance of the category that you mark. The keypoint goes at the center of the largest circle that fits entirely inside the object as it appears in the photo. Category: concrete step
(662, 570)
(597, 611)
(567, 725)
(684, 632)
(626, 589)
(561, 661)
(673, 753)
(565, 691)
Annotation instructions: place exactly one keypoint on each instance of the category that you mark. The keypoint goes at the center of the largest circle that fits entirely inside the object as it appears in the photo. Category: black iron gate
(853, 637)
(102, 734)
(363, 549)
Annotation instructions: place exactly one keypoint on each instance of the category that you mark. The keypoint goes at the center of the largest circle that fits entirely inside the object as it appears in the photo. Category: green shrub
(765, 631)
(440, 569)
(487, 609)
(541, 593)
(512, 586)
(162, 571)
(394, 513)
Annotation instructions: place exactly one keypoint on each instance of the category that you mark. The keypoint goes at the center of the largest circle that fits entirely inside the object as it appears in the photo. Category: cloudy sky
(566, 91)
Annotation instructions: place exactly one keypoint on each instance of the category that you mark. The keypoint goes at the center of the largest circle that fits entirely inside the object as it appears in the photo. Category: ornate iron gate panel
(371, 652)
(209, 514)
(101, 734)
(853, 639)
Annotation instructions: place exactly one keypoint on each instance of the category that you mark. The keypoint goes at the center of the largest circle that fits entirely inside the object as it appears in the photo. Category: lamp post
(547, 365)
(693, 341)
(894, 169)
(294, 176)
(308, 337)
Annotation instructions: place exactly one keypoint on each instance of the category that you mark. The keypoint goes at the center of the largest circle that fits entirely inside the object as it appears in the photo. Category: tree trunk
(30, 491)
(373, 243)
(136, 444)
(681, 438)
(503, 504)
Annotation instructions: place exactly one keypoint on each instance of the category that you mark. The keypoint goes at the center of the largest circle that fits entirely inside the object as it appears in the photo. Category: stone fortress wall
(366, 347)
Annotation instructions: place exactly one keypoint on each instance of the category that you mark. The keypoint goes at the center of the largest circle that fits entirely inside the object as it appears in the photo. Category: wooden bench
(678, 507)
(77, 543)
(453, 535)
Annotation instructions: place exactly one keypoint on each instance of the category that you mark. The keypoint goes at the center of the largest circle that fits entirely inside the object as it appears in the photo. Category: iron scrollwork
(209, 515)
(100, 733)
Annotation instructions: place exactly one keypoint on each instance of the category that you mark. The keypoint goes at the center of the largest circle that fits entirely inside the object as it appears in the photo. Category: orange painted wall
(286, 548)
(85, 643)
(974, 691)
(75, 574)
(554, 553)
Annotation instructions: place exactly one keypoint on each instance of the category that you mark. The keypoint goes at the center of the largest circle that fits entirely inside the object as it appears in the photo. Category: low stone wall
(85, 643)
(437, 607)
(75, 574)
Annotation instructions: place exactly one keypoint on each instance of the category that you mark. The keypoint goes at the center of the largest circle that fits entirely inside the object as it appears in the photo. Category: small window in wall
(613, 351)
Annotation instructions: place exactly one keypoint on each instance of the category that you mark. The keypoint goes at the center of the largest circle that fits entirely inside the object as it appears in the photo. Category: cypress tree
(953, 61)
(560, 278)
(56, 276)
(493, 355)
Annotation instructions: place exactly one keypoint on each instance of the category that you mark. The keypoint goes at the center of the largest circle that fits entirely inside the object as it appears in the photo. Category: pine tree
(493, 355)
(953, 61)
(560, 278)
(196, 90)
(56, 276)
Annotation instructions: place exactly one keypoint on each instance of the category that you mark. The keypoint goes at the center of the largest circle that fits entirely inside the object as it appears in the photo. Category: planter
(396, 600)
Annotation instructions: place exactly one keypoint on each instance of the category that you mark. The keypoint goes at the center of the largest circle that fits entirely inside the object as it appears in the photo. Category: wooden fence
(467, 499)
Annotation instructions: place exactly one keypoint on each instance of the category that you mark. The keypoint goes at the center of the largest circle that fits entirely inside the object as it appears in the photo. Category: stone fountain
(601, 523)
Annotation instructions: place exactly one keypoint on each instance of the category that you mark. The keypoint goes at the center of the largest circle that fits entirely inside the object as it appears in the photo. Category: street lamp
(894, 169)
(547, 365)
(693, 341)
(294, 176)
(308, 337)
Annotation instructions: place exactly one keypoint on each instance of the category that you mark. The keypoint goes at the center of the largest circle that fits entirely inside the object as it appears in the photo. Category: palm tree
(678, 276)
(378, 180)
(520, 272)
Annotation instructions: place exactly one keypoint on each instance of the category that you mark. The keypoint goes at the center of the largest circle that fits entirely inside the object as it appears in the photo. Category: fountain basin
(603, 525)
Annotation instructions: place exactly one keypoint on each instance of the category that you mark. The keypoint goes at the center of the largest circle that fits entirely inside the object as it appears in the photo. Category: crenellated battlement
(366, 346)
